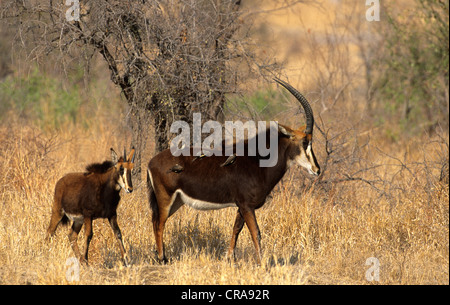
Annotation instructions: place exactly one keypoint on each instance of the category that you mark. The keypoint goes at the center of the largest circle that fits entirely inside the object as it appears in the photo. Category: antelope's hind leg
(57, 215)
(73, 237)
(237, 228)
(160, 213)
(88, 233)
(158, 230)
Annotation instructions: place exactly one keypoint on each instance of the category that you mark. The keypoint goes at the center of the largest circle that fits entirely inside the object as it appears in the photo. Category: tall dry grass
(309, 236)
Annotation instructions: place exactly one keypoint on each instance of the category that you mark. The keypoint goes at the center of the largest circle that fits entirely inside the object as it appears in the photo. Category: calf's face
(123, 167)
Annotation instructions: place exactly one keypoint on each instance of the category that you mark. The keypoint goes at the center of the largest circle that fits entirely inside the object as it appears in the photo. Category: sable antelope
(83, 197)
(217, 182)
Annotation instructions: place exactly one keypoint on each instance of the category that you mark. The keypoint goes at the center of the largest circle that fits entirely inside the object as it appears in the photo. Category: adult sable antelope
(83, 197)
(214, 182)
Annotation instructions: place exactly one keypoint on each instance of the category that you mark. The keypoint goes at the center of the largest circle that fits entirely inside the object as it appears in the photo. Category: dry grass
(308, 237)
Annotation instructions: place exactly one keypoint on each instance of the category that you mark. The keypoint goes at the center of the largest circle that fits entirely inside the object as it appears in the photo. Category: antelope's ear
(132, 155)
(114, 157)
(284, 131)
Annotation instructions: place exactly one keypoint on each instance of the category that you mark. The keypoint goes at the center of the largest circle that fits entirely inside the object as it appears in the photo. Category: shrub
(40, 98)
(413, 86)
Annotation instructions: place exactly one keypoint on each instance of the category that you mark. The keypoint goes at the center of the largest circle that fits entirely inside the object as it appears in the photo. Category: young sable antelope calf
(83, 197)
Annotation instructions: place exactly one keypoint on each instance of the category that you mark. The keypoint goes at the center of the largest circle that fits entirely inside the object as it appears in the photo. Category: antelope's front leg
(116, 229)
(250, 219)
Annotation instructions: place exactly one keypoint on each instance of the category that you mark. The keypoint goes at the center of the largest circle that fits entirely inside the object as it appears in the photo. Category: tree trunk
(139, 123)
(161, 128)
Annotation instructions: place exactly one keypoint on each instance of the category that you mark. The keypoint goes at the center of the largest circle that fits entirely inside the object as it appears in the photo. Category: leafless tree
(170, 58)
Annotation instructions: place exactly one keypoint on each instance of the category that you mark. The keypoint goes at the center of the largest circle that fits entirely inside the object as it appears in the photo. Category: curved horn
(303, 101)
(124, 154)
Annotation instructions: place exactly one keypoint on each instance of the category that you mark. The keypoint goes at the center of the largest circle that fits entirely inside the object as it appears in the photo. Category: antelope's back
(70, 189)
(204, 178)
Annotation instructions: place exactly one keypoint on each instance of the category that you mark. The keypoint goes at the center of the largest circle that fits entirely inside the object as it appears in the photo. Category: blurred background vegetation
(40, 98)
(414, 67)
(403, 59)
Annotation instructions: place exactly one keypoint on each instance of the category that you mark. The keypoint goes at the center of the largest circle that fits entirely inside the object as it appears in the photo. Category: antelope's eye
(121, 170)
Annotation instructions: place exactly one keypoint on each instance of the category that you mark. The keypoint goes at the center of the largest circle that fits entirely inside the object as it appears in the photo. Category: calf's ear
(114, 156)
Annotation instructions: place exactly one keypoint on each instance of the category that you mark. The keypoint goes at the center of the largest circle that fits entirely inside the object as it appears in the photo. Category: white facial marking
(122, 182)
(125, 185)
(304, 159)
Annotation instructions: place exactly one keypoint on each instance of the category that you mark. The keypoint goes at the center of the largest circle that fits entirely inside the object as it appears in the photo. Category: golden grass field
(310, 235)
